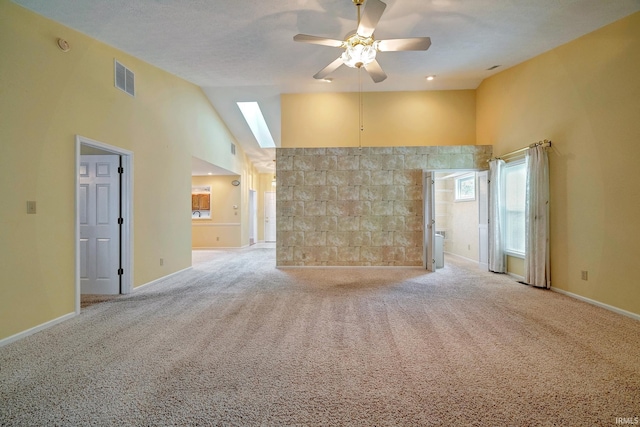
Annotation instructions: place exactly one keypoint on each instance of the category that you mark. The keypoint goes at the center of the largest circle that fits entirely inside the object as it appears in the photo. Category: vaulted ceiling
(244, 50)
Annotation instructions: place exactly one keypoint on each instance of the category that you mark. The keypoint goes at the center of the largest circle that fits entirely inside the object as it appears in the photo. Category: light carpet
(236, 342)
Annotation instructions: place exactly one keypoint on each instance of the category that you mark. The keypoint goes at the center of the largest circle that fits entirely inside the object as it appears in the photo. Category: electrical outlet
(161, 261)
(31, 206)
(585, 275)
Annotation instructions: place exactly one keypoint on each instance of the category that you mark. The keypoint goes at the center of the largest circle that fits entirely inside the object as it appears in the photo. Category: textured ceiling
(243, 50)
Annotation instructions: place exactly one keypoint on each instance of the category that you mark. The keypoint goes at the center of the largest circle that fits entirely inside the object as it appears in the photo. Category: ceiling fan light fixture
(359, 51)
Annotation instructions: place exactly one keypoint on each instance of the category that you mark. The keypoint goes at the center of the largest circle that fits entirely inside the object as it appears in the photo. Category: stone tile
(372, 162)
(372, 223)
(338, 208)
(351, 192)
(290, 238)
(304, 193)
(360, 177)
(315, 178)
(393, 192)
(348, 163)
(405, 150)
(381, 238)
(381, 150)
(349, 254)
(382, 207)
(449, 149)
(326, 192)
(303, 163)
(394, 223)
(371, 192)
(468, 149)
(315, 238)
(427, 150)
(392, 161)
(407, 239)
(348, 223)
(393, 253)
(315, 151)
(304, 223)
(462, 161)
(339, 151)
(284, 163)
(372, 254)
(326, 223)
(289, 208)
(416, 161)
(325, 163)
(360, 208)
(414, 255)
(439, 161)
(315, 208)
(284, 223)
(284, 254)
(414, 223)
(360, 238)
(381, 177)
(338, 238)
(407, 207)
(413, 192)
(338, 178)
(284, 193)
(407, 177)
(291, 178)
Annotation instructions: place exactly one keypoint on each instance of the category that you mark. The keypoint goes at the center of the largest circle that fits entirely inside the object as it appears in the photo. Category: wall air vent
(124, 78)
(233, 149)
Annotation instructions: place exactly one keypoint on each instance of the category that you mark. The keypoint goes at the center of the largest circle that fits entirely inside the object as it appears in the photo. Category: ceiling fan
(360, 47)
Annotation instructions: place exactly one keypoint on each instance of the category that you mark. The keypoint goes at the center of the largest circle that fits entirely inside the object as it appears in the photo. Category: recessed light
(327, 80)
(209, 173)
(431, 77)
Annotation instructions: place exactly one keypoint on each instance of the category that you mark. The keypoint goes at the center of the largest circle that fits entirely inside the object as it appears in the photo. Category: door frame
(126, 202)
(265, 215)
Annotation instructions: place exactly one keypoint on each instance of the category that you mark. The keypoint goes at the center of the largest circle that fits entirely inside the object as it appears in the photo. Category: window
(466, 187)
(515, 178)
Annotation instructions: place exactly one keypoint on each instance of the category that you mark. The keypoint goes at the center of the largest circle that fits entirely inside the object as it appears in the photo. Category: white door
(483, 220)
(99, 207)
(429, 221)
(253, 218)
(269, 216)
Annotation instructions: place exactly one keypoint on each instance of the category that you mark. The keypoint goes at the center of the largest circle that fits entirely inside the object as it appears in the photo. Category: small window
(466, 188)
(515, 181)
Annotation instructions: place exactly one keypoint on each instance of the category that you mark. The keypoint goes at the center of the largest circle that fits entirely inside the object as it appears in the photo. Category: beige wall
(585, 97)
(223, 228)
(48, 97)
(435, 118)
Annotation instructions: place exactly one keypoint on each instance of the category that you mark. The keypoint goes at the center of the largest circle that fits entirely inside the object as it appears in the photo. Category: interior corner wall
(223, 229)
(435, 118)
(585, 97)
(49, 97)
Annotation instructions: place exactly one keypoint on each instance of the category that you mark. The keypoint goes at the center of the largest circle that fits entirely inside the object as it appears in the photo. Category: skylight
(254, 118)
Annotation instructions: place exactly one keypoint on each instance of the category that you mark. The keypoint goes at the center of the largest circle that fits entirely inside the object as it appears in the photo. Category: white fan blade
(304, 38)
(375, 71)
(328, 69)
(373, 10)
(417, 43)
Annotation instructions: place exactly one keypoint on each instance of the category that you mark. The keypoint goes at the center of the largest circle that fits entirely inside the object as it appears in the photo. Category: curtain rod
(545, 143)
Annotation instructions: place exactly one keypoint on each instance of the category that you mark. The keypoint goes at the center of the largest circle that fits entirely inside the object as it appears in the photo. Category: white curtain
(497, 256)
(536, 260)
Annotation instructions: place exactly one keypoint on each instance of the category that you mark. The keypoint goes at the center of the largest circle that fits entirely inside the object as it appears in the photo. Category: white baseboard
(35, 329)
(161, 278)
(598, 303)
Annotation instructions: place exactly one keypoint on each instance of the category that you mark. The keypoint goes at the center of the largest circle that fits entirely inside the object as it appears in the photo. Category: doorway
(456, 217)
(253, 217)
(104, 219)
(269, 216)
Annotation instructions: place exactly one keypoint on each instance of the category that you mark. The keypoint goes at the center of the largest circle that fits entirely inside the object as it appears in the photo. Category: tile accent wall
(358, 206)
